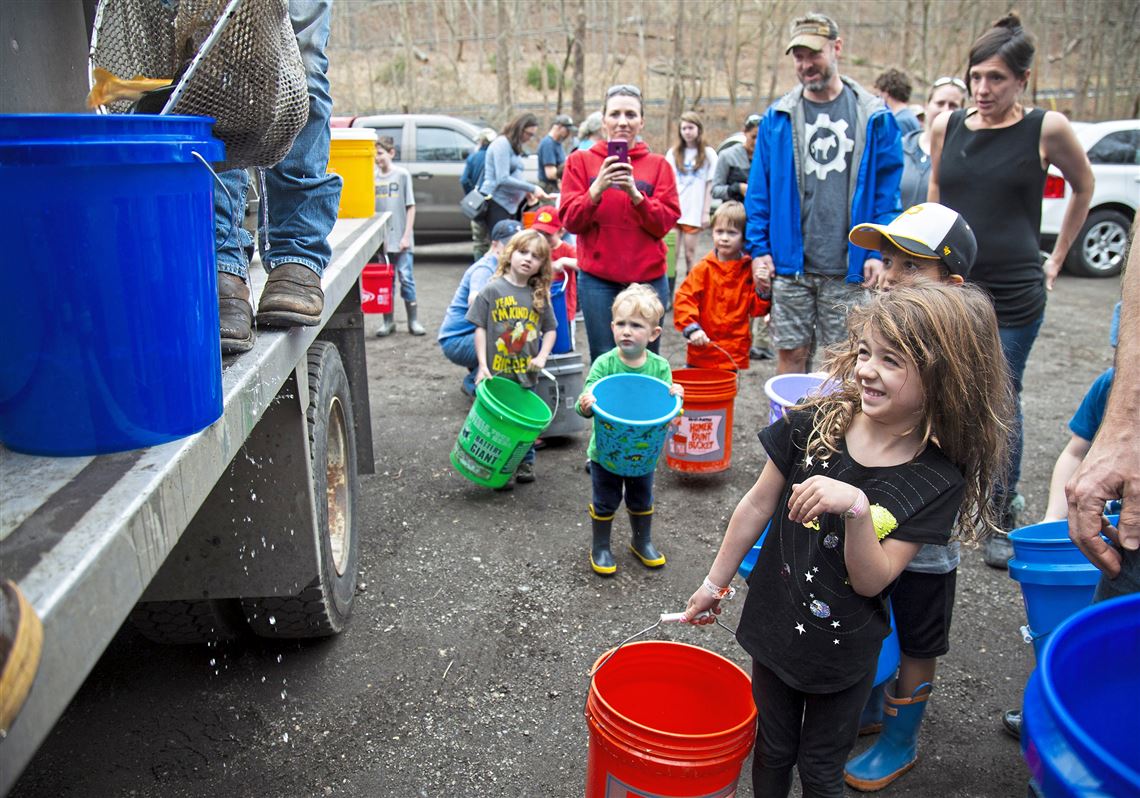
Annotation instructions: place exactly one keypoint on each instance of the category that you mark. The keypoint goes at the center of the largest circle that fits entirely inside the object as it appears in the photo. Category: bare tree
(579, 47)
(503, 57)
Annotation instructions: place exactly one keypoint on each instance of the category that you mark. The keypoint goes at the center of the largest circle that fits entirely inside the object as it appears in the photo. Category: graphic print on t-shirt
(827, 145)
(519, 324)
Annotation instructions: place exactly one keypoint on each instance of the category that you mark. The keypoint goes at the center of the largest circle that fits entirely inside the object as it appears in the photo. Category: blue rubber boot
(896, 750)
(871, 721)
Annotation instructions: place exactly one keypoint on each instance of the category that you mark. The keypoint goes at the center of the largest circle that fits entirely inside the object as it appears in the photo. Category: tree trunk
(503, 58)
(676, 99)
(580, 61)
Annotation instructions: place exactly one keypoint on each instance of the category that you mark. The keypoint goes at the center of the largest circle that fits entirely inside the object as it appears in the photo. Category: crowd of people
(897, 245)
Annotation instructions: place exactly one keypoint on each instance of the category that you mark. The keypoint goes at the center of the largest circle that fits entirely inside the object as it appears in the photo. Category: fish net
(249, 77)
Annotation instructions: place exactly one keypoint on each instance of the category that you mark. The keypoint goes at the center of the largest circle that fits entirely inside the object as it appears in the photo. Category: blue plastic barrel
(1056, 579)
(632, 415)
(1081, 726)
(563, 339)
(109, 316)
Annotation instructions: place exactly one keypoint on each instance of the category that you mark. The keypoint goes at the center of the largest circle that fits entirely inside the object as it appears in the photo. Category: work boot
(601, 559)
(235, 314)
(871, 719)
(642, 543)
(292, 298)
(387, 325)
(414, 326)
(21, 642)
(896, 750)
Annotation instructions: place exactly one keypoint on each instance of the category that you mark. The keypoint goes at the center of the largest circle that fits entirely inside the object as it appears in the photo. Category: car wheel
(1100, 246)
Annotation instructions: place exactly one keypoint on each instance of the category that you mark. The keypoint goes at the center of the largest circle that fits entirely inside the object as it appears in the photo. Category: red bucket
(701, 439)
(667, 719)
(376, 283)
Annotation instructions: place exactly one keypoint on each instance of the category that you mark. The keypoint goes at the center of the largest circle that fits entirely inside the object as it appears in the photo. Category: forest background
(487, 60)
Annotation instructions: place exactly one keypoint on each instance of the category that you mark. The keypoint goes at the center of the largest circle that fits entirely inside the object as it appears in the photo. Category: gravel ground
(463, 672)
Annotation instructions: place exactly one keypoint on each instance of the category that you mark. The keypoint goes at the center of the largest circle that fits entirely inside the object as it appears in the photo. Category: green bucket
(500, 429)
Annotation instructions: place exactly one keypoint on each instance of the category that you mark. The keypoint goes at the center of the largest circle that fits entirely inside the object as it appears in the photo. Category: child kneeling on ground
(637, 313)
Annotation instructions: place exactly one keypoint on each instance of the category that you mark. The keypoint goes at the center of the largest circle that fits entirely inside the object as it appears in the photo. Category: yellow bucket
(351, 155)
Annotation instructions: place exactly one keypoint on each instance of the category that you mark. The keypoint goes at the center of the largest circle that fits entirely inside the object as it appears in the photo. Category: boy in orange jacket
(716, 303)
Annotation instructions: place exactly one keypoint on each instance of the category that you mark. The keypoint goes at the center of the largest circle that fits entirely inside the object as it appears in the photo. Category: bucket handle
(665, 617)
(233, 205)
(724, 352)
(557, 392)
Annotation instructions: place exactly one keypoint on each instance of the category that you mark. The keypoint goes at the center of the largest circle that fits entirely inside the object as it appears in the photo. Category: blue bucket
(1056, 579)
(785, 390)
(631, 419)
(1081, 726)
(888, 652)
(109, 329)
(564, 339)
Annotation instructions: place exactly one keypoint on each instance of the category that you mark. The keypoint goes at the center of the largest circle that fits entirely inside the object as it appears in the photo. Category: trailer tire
(324, 606)
(189, 622)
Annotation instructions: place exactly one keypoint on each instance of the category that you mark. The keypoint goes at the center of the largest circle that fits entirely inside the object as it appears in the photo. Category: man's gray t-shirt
(394, 194)
(829, 138)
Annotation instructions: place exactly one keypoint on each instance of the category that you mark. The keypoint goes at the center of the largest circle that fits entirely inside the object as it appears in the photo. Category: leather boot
(896, 750)
(871, 719)
(601, 559)
(414, 326)
(21, 643)
(642, 543)
(387, 325)
(292, 298)
(235, 315)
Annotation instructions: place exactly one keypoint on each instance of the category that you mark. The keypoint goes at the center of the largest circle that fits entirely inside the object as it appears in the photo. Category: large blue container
(632, 415)
(1081, 733)
(109, 317)
(563, 337)
(1056, 579)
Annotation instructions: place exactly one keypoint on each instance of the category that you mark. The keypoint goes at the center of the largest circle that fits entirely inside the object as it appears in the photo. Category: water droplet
(253, 497)
(272, 621)
(213, 662)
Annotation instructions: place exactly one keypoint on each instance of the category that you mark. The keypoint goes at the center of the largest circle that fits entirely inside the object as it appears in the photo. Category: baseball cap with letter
(813, 31)
(928, 230)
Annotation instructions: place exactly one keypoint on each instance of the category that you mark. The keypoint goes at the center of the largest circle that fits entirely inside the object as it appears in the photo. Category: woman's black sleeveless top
(995, 180)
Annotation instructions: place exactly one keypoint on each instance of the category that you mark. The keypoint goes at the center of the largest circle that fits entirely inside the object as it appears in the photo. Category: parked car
(433, 148)
(1114, 152)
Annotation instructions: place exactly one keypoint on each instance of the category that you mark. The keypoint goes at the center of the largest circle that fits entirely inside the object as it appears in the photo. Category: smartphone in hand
(619, 148)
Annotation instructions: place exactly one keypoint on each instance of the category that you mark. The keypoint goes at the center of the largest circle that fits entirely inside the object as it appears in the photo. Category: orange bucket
(667, 719)
(528, 218)
(701, 439)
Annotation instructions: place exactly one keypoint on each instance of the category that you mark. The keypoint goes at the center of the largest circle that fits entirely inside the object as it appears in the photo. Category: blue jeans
(301, 199)
(460, 350)
(596, 299)
(1016, 342)
(403, 261)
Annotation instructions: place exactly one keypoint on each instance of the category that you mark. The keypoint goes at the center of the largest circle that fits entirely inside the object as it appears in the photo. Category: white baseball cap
(928, 230)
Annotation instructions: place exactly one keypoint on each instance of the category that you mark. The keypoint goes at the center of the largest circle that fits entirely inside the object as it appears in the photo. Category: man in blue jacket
(828, 156)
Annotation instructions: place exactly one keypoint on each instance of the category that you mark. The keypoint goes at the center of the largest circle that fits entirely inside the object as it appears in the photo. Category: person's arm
(1111, 469)
(410, 210)
(748, 520)
(710, 154)
(496, 162)
(1061, 148)
(757, 235)
(888, 176)
(937, 138)
(538, 362)
(657, 214)
(576, 207)
(687, 307)
(1068, 461)
(719, 186)
(481, 355)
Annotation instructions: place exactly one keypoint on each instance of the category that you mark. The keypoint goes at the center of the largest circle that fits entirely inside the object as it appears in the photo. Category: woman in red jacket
(620, 213)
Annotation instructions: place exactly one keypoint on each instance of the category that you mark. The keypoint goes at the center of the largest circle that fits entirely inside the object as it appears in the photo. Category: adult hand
(540, 193)
(1111, 470)
(762, 269)
(872, 269)
(1051, 267)
(817, 495)
(605, 177)
(699, 338)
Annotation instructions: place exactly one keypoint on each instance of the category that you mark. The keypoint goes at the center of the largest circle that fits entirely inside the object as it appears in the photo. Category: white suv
(1114, 152)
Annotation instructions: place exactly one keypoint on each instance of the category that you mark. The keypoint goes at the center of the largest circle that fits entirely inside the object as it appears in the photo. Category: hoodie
(719, 297)
(617, 240)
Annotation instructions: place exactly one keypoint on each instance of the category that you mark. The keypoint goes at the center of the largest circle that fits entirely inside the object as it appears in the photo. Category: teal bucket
(500, 428)
(1056, 578)
(1081, 726)
(109, 321)
(631, 420)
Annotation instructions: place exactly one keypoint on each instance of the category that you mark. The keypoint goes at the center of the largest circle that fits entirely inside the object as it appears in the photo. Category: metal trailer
(248, 524)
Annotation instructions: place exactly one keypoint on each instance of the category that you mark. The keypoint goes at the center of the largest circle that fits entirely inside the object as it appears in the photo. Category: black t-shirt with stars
(802, 619)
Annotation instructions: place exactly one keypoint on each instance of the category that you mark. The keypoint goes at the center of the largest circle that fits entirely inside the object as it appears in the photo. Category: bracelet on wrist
(857, 508)
(719, 593)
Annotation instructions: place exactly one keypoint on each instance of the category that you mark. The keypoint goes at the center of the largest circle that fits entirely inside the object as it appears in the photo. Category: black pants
(608, 490)
(496, 213)
(814, 731)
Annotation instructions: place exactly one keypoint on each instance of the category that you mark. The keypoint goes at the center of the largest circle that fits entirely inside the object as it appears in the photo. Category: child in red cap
(563, 256)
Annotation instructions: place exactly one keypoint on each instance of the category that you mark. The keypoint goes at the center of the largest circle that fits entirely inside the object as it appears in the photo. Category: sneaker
(997, 551)
(525, 473)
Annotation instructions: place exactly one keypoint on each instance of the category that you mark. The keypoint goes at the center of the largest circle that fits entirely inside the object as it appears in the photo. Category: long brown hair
(513, 130)
(679, 148)
(534, 242)
(950, 335)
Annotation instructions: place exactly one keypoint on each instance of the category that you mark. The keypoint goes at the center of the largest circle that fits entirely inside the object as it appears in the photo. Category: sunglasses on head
(752, 120)
(623, 88)
(949, 81)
